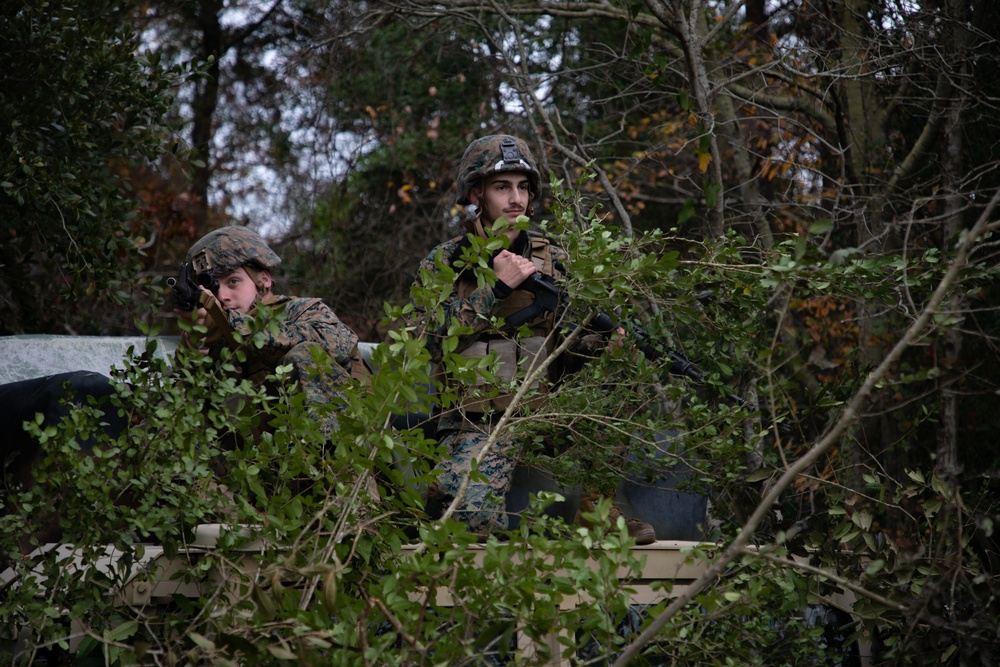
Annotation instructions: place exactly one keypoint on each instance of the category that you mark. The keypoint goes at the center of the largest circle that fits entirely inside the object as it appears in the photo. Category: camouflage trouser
(483, 507)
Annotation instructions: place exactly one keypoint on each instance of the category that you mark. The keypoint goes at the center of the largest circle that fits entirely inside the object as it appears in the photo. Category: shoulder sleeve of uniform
(443, 254)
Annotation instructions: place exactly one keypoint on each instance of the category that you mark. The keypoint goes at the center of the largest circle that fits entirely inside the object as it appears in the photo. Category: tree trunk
(858, 132)
(692, 28)
(950, 346)
(204, 104)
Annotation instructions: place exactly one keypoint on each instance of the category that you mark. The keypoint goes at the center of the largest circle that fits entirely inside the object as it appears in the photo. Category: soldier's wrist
(502, 290)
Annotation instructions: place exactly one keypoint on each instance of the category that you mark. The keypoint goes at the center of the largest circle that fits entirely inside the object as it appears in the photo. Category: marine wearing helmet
(500, 178)
(242, 262)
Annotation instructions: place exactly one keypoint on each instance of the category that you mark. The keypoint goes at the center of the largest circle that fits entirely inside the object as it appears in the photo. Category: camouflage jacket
(474, 306)
(304, 322)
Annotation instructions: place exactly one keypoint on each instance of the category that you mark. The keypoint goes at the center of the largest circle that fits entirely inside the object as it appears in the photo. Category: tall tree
(236, 111)
(77, 105)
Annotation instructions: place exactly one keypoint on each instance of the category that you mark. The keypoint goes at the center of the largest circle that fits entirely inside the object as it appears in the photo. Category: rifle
(679, 364)
(550, 298)
(185, 287)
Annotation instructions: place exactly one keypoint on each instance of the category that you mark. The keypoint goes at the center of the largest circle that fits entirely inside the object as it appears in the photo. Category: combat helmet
(491, 154)
(226, 249)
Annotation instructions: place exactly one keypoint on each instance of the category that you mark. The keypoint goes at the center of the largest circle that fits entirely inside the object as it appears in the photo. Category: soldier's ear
(265, 279)
(476, 191)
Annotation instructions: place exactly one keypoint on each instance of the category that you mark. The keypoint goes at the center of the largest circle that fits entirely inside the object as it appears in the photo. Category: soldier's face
(505, 194)
(237, 290)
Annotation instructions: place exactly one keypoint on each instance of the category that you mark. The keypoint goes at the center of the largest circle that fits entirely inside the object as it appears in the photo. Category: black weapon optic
(186, 284)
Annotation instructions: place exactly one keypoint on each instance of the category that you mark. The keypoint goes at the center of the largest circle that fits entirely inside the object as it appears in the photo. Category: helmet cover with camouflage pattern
(228, 248)
(492, 154)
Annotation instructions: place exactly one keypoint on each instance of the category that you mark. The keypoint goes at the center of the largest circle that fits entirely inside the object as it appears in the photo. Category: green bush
(329, 581)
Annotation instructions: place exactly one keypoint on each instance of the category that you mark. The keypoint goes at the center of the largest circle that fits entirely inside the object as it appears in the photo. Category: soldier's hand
(512, 269)
(617, 339)
(198, 340)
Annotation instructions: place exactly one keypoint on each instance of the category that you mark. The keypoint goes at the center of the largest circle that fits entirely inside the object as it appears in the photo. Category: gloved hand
(210, 315)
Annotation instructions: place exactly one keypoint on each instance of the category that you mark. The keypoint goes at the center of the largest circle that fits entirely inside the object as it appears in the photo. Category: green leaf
(280, 652)
(683, 100)
(821, 227)
(875, 567)
(759, 475)
(124, 631)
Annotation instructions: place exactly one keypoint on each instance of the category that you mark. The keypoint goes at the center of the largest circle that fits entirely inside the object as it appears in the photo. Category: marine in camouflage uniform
(302, 323)
(465, 429)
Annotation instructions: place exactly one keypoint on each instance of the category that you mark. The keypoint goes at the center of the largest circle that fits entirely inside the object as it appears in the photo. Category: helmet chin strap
(257, 280)
(477, 226)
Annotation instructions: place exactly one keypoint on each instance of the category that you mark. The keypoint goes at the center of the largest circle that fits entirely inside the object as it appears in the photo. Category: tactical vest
(511, 351)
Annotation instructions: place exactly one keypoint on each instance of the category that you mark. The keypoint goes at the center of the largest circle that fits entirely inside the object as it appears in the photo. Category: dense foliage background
(798, 195)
